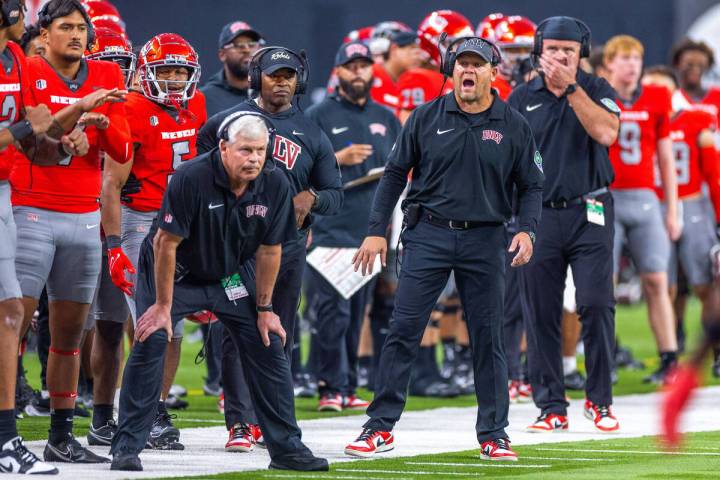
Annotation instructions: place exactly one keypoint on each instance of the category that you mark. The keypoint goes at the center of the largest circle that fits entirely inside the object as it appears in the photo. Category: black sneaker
(436, 389)
(574, 381)
(15, 458)
(39, 406)
(163, 434)
(70, 451)
(130, 462)
(303, 462)
(102, 435)
(176, 403)
(81, 411)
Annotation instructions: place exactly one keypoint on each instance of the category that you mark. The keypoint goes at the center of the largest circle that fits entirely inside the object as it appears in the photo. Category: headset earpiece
(448, 62)
(256, 74)
(584, 39)
(10, 12)
(223, 132)
(45, 19)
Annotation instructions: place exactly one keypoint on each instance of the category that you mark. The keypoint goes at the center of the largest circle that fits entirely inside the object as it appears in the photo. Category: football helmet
(112, 47)
(450, 22)
(109, 25)
(100, 9)
(363, 34)
(486, 27)
(515, 36)
(165, 50)
(382, 34)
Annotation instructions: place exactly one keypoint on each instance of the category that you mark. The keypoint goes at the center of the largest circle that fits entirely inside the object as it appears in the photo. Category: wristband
(532, 236)
(571, 89)
(314, 194)
(265, 308)
(112, 241)
(21, 130)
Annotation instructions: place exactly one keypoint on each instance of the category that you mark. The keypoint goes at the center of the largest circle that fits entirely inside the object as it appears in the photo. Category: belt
(457, 224)
(575, 201)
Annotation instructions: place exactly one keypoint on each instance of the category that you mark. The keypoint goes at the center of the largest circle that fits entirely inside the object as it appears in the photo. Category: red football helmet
(109, 25)
(164, 50)
(382, 34)
(100, 9)
(515, 32)
(450, 22)
(112, 47)
(363, 34)
(486, 27)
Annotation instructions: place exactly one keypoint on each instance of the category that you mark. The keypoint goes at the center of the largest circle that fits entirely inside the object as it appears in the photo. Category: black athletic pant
(514, 326)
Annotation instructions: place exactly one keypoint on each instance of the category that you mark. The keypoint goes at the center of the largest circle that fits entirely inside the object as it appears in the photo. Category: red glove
(118, 263)
(677, 396)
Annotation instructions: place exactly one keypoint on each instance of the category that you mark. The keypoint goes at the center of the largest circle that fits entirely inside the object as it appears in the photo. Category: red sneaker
(548, 422)
(330, 403)
(602, 416)
(221, 404)
(524, 393)
(240, 439)
(258, 438)
(681, 384)
(352, 402)
(513, 390)
(369, 443)
(498, 449)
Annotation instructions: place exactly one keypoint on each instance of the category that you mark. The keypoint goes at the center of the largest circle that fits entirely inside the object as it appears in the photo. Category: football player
(644, 135)
(167, 116)
(691, 61)
(56, 208)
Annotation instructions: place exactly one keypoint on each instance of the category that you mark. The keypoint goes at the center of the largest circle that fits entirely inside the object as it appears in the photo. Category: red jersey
(503, 87)
(420, 85)
(710, 103)
(694, 164)
(15, 95)
(643, 122)
(384, 91)
(161, 141)
(73, 185)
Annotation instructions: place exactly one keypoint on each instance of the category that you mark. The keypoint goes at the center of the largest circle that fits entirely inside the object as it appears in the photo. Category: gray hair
(249, 127)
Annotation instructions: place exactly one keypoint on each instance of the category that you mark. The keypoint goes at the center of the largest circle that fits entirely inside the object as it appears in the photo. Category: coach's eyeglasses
(242, 45)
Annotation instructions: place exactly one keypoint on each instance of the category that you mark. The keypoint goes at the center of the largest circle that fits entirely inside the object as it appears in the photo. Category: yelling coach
(467, 151)
(574, 118)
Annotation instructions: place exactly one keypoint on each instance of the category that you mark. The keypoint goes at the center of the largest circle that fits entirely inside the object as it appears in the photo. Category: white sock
(569, 364)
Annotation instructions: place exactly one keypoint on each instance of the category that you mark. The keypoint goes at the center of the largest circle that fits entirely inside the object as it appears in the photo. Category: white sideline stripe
(310, 475)
(523, 457)
(407, 472)
(647, 452)
(498, 464)
(200, 420)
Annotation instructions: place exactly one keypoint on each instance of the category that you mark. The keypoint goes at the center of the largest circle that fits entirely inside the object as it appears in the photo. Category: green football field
(620, 458)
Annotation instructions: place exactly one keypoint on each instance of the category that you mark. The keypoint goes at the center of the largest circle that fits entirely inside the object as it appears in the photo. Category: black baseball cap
(234, 29)
(562, 28)
(402, 38)
(353, 50)
(478, 46)
(277, 58)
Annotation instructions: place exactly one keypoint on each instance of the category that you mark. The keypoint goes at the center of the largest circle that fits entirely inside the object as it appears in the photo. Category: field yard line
(645, 452)
(525, 457)
(496, 464)
(326, 475)
(404, 472)
(417, 433)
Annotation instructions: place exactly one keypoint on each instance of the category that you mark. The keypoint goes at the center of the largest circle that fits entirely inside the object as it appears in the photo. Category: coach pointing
(467, 150)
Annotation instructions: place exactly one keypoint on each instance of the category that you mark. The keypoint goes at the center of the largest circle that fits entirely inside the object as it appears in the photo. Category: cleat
(16, 458)
(548, 422)
(175, 403)
(130, 462)
(498, 450)
(352, 402)
(178, 391)
(660, 376)
(241, 438)
(369, 443)
(212, 389)
(513, 391)
(330, 403)
(602, 417)
(574, 381)
(70, 451)
(103, 435)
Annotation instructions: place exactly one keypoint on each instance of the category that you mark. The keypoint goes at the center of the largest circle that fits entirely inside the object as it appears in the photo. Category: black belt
(457, 224)
(575, 201)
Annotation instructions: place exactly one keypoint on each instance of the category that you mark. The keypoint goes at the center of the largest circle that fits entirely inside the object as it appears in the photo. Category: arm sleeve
(402, 159)
(282, 228)
(529, 178)
(178, 208)
(207, 138)
(326, 180)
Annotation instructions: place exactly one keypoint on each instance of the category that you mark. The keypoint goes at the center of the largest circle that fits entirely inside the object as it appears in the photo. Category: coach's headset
(46, 17)
(223, 133)
(585, 37)
(10, 12)
(448, 60)
(256, 73)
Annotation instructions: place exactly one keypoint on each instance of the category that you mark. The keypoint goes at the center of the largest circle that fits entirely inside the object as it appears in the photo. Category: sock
(569, 364)
(162, 409)
(667, 359)
(101, 415)
(8, 427)
(61, 424)
(365, 361)
(449, 349)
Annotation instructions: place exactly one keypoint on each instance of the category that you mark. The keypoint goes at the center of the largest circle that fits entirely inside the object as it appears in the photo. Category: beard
(239, 69)
(355, 92)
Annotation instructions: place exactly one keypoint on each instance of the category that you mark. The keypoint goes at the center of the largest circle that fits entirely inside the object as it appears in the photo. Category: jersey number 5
(179, 149)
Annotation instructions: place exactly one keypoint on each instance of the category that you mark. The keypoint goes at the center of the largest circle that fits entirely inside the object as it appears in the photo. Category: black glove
(131, 187)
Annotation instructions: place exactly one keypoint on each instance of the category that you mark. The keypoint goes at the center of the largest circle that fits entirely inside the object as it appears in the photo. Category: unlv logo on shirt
(286, 151)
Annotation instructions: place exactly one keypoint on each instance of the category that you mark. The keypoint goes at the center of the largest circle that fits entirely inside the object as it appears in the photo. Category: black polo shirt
(575, 164)
(464, 166)
(220, 232)
(347, 123)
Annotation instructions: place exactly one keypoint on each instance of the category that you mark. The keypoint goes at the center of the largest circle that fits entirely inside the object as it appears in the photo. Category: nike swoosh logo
(696, 219)
(91, 226)
(211, 206)
(297, 133)
(337, 131)
(65, 454)
(440, 132)
(530, 108)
